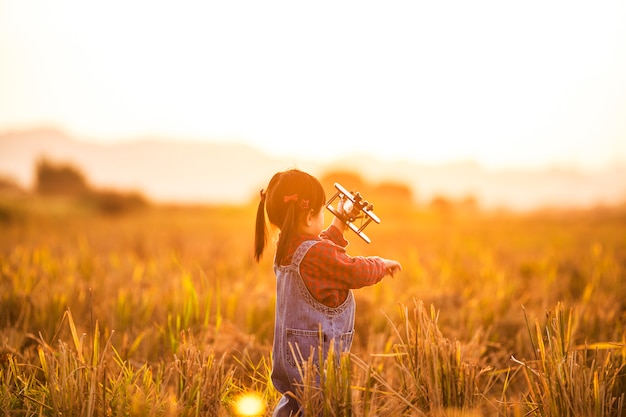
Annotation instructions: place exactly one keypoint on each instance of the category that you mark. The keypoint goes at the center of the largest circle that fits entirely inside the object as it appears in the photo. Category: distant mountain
(513, 189)
(166, 171)
(175, 171)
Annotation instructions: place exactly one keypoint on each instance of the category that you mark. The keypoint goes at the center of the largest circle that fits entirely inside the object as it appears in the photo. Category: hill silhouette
(200, 172)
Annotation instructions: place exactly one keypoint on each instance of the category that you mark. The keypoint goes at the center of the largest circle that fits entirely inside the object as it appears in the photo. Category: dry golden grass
(162, 312)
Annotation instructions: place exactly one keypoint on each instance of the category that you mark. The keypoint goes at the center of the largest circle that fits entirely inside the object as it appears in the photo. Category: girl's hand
(392, 267)
(336, 222)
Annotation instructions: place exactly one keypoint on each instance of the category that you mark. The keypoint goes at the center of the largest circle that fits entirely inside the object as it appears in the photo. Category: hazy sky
(527, 84)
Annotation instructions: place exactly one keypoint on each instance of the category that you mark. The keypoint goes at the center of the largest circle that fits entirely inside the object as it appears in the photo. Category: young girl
(315, 275)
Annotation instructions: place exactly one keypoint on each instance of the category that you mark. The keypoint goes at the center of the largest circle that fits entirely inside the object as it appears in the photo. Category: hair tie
(288, 198)
(304, 204)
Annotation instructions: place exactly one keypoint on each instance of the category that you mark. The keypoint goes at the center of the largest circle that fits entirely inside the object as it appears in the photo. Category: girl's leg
(287, 407)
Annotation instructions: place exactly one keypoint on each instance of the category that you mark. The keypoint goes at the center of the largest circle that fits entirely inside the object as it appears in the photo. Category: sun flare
(249, 404)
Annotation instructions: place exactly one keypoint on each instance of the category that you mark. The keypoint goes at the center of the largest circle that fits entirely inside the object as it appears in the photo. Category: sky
(506, 84)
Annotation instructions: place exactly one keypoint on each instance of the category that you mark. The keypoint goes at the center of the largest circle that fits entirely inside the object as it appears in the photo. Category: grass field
(163, 312)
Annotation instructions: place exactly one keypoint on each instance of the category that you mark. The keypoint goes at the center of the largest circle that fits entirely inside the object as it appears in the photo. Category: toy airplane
(353, 207)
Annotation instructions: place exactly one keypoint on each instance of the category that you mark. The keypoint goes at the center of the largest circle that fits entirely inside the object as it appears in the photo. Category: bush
(59, 179)
(116, 202)
(64, 180)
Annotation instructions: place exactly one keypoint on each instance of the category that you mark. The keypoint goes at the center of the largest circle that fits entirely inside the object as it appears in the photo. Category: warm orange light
(249, 404)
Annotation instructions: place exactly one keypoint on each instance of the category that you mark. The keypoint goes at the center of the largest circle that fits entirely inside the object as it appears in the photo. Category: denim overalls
(299, 318)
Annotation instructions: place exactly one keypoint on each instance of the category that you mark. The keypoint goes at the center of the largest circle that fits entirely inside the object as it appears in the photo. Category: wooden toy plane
(354, 207)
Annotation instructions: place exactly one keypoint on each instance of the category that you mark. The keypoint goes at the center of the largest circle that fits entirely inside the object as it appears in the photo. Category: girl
(314, 274)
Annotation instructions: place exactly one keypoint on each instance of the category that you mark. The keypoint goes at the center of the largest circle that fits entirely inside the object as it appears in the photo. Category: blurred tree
(469, 204)
(349, 179)
(117, 202)
(447, 206)
(392, 199)
(442, 205)
(54, 179)
(59, 179)
(396, 192)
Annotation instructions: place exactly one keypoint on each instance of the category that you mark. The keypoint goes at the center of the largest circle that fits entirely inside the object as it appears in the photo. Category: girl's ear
(309, 218)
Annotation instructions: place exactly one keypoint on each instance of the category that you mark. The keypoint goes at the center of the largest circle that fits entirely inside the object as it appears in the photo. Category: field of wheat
(162, 311)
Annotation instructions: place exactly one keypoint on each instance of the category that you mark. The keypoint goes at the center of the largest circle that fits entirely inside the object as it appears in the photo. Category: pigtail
(286, 231)
(260, 235)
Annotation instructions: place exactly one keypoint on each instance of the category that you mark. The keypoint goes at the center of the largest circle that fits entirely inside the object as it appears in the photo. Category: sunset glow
(249, 404)
(531, 85)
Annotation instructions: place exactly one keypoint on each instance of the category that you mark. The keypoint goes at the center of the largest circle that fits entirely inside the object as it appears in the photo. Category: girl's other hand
(392, 267)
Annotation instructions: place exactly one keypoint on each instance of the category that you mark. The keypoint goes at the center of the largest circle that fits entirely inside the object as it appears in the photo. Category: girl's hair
(289, 196)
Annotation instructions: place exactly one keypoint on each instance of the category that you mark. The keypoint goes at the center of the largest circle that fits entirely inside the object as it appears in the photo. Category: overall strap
(298, 255)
